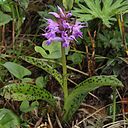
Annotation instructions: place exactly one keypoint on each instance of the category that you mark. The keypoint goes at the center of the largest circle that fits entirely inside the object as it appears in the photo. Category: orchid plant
(64, 31)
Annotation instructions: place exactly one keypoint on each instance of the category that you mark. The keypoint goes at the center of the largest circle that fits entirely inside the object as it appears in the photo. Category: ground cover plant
(63, 63)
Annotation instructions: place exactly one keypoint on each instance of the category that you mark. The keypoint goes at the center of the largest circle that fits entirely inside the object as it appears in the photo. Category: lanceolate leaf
(24, 91)
(74, 99)
(45, 66)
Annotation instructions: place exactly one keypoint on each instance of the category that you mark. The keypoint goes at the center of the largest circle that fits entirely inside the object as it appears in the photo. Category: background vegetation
(83, 87)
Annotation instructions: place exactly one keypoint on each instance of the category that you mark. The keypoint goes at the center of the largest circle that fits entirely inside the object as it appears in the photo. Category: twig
(58, 121)
(49, 121)
(13, 33)
(91, 59)
(3, 39)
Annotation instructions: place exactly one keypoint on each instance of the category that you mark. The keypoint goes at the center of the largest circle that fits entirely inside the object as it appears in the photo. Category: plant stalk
(114, 104)
(64, 66)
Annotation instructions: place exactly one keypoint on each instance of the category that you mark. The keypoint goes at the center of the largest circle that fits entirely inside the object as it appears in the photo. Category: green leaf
(77, 1)
(76, 58)
(6, 8)
(5, 18)
(34, 104)
(45, 66)
(41, 81)
(104, 10)
(68, 4)
(24, 3)
(8, 119)
(17, 70)
(25, 107)
(52, 51)
(75, 98)
(27, 80)
(24, 91)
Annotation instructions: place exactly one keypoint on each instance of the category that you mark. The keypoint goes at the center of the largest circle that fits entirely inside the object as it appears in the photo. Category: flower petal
(49, 34)
(57, 39)
(76, 30)
(52, 25)
(66, 44)
(48, 42)
(65, 24)
(55, 14)
(69, 15)
(61, 12)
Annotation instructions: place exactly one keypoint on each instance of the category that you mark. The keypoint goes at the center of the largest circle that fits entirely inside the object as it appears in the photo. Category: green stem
(114, 104)
(65, 88)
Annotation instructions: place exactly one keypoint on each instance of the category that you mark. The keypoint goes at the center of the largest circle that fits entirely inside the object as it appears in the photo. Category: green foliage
(27, 93)
(26, 107)
(5, 6)
(17, 70)
(103, 10)
(12, 10)
(74, 99)
(76, 58)
(52, 51)
(41, 81)
(110, 39)
(112, 66)
(45, 66)
(24, 3)
(27, 80)
(8, 119)
(24, 91)
(5, 18)
(68, 4)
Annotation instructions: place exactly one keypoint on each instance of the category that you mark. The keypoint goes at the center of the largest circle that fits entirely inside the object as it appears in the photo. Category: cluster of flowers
(62, 29)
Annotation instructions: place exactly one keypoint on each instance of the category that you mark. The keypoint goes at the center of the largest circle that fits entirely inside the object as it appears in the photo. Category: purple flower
(62, 30)
(76, 29)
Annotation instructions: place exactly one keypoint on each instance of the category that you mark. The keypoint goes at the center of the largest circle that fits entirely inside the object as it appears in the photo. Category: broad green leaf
(24, 91)
(41, 81)
(68, 4)
(45, 66)
(34, 104)
(25, 107)
(4, 18)
(17, 70)
(8, 119)
(52, 51)
(75, 98)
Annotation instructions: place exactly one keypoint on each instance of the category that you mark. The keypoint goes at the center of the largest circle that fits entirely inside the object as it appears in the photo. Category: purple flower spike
(62, 30)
